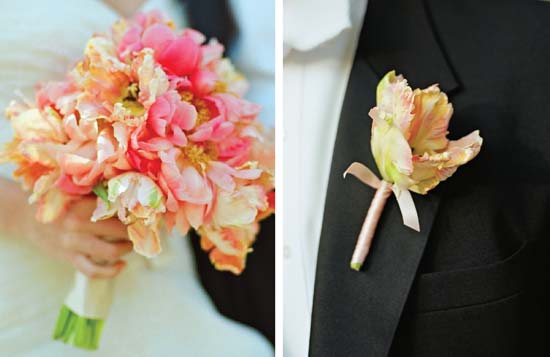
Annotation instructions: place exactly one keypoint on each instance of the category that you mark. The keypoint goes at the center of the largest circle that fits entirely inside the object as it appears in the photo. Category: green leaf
(155, 199)
(101, 191)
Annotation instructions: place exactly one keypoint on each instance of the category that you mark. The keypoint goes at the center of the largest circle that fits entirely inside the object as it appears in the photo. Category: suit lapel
(357, 313)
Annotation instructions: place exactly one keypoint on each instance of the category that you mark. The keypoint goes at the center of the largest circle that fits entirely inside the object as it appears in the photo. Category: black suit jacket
(250, 297)
(474, 281)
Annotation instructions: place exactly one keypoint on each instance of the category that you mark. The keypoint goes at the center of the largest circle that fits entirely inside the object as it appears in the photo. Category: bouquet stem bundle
(83, 315)
(77, 330)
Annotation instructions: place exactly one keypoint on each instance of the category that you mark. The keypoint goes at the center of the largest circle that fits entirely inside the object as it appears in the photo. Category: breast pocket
(469, 312)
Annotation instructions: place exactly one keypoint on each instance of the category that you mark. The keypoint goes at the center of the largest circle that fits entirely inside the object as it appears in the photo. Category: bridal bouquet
(153, 122)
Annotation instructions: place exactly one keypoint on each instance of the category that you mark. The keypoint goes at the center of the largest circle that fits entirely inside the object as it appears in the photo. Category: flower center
(203, 111)
(187, 96)
(130, 100)
(220, 87)
(199, 156)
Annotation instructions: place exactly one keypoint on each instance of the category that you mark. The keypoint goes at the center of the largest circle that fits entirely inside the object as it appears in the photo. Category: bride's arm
(73, 238)
(125, 8)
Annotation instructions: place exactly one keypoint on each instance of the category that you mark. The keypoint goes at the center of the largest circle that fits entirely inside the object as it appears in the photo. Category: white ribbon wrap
(90, 298)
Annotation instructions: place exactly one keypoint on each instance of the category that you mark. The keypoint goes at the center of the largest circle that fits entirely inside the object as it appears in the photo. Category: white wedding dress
(159, 307)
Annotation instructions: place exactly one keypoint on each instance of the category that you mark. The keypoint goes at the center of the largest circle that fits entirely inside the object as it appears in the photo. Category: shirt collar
(308, 24)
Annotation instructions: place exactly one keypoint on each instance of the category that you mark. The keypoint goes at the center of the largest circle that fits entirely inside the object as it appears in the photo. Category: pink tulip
(139, 203)
(409, 136)
(228, 247)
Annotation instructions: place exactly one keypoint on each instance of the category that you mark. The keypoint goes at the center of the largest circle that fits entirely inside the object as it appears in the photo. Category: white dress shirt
(320, 39)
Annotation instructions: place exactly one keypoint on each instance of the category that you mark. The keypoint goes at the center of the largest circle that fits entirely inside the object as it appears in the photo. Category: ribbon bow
(383, 191)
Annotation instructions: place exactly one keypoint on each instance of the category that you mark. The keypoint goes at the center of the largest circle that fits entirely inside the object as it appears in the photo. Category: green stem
(77, 330)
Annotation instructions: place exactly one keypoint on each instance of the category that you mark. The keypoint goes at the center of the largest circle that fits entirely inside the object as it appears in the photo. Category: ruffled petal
(430, 170)
(51, 205)
(187, 184)
(235, 108)
(195, 214)
(229, 247)
(32, 125)
(67, 185)
(145, 238)
(182, 223)
(432, 112)
(395, 101)
(185, 115)
(239, 208)
(222, 175)
(153, 82)
(103, 210)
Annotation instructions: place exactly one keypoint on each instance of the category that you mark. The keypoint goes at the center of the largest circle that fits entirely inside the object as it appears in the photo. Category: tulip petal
(182, 223)
(239, 208)
(42, 185)
(31, 125)
(465, 149)
(103, 210)
(226, 262)
(66, 184)
(145, 238)
(153, 82)
(394, 100)
(430, 170)
(194, 214)
(51, 205)
(432, 112)
(391, 151)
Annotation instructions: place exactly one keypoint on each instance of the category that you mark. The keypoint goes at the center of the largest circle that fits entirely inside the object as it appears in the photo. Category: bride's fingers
(96, 271)
(97, 248)
(111, 227)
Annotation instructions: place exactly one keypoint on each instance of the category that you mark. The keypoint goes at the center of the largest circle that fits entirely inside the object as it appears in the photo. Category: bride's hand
(75, 239)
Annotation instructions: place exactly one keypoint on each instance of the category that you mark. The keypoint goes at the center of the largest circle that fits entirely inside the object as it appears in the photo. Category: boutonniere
(411, 150)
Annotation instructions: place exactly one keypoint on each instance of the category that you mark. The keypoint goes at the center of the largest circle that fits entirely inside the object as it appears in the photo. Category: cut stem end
(355, 266)
(78, 331)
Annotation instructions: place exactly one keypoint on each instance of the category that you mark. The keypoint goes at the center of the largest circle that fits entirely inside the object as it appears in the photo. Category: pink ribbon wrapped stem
(383, 191)
(366, 235)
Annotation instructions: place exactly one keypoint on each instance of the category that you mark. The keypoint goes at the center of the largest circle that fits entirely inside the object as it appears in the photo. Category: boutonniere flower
(411, 150)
